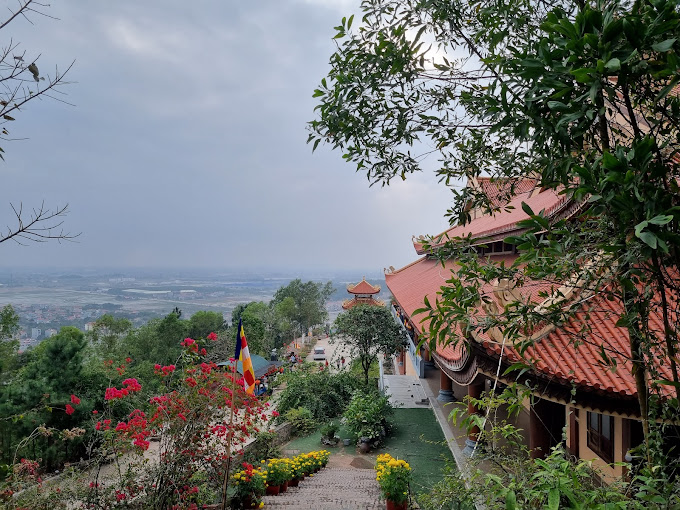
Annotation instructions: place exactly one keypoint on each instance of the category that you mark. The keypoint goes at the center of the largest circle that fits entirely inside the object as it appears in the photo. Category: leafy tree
(158, 341)
(309, 300)
(9, 325)
(202, 323)
(107, 332)
(578, 95)
(368, 331)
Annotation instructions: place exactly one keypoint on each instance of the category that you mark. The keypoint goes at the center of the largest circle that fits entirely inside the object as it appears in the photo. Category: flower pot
(294, 482)
(273, 490)
(284, 487)
(247, 502)
(365, 447)
(391, 505)
(346, 442)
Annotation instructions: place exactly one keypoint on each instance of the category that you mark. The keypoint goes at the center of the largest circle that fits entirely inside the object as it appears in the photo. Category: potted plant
(249, 485)
(328, 433)
(394, 478)
(278, 473)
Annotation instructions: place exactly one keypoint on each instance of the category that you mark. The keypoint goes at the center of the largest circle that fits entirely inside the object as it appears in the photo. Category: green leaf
(613, 65)
(661, 220)
(649, 239)
(554, 499)
(511, 501)
(664, 45)
(527, 209)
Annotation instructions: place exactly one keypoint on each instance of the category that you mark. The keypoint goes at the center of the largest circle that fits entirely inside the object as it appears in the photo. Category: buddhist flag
(243, 355)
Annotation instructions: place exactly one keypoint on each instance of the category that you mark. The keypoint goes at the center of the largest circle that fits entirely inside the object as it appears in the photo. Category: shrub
(329, 430)
(265, 446)
(366, 416)
(301, 420)
(326, 395)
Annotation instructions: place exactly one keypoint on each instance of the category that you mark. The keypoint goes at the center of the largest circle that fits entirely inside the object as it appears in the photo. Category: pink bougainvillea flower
(75, 400)
(128, 360)
(275, 414)
(212, 336)
(69, 409)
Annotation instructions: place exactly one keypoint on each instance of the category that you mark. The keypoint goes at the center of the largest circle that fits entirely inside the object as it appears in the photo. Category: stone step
(332, 489)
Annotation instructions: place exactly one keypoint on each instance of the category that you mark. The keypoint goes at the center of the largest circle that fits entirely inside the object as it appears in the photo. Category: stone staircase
(332, 488)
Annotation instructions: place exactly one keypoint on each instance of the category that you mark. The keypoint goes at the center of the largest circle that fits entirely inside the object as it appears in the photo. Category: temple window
(601, 435)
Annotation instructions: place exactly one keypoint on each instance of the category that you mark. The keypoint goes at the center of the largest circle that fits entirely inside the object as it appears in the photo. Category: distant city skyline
(186, 145)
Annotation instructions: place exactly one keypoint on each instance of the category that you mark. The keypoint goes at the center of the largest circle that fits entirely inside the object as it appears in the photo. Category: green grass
(418, 439)
(312, 442)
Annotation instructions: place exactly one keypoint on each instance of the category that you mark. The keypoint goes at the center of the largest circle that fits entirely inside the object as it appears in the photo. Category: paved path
(405, 391)
(332, 488)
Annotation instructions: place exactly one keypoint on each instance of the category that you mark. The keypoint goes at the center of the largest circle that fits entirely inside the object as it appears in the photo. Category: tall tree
(581, 96)
(368, 331)
(309, 300)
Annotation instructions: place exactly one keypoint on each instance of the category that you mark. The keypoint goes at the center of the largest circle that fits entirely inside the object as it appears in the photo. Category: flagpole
(230, 435)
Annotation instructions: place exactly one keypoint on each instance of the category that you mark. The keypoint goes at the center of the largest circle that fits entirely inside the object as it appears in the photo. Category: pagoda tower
(363, 295)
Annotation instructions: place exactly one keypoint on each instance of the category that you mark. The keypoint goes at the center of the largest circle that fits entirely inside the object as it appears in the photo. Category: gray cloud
(186, 146)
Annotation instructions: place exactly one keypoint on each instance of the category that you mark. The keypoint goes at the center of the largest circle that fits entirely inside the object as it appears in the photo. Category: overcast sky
(186, 144)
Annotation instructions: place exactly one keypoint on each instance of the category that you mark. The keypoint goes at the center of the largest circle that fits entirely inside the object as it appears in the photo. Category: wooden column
(475, 390)
(445, 388)
(539, 434)
(574, 432)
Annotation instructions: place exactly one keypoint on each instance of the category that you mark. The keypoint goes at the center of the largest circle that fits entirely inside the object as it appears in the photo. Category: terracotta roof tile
(504, 221)
(363, 287)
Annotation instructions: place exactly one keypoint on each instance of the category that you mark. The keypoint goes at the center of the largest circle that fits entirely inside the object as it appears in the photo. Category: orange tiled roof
(363, 287)
(558, 354)
(504, 221)
(571, 354)
(498, 190)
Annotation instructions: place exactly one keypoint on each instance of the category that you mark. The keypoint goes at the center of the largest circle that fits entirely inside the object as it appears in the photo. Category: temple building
(363, 295)
(572, 388)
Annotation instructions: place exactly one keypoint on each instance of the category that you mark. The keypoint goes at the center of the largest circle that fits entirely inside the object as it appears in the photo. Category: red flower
(69, 409)
(180, 415)
(275, 414)
(128, 360)
(213, 337)
(75, 400)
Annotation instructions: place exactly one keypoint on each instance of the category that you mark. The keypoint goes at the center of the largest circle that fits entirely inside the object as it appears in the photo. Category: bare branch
(41, 225)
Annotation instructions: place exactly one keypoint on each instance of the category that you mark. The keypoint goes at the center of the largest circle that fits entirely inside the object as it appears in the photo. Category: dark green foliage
(307, 303)
(201, 324)
(367, 416)
(301, 420)
(326, 395)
